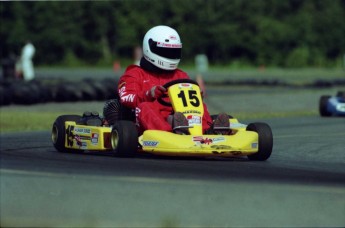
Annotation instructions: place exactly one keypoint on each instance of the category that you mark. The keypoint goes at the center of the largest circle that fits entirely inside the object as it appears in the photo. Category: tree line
(287, 33)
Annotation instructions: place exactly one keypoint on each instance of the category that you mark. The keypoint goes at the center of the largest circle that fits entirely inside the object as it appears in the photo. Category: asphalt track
(302, 184)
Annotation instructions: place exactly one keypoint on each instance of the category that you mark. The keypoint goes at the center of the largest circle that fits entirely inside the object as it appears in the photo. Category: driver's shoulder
(181, 73)
(134, 71)
(133, 68)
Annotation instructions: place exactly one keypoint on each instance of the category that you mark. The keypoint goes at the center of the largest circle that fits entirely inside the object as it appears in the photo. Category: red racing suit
(150, 114)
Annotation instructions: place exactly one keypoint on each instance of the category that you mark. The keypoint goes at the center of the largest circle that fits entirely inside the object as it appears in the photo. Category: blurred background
(237, 33)
(80, 48)
(260, 60)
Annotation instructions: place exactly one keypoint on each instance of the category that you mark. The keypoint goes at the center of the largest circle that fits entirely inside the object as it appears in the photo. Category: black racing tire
(87, 90)
(59, 133)
(265, 141)
(68, 92)
(341, 94)
(124, 138)
(108, 85)
(323, 102)
(25, 93)
(98, 89)
(5, 96)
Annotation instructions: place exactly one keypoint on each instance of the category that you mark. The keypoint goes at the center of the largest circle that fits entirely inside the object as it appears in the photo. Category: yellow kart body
(186, 98)
(166, 143)
(95, 138)
(82, 137)
(254, 140)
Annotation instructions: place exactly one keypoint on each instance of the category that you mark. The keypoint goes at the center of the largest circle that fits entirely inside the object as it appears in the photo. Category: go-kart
(332, 105)
(117, 133)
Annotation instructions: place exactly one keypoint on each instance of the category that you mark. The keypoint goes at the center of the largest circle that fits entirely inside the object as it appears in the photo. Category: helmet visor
(166, 50)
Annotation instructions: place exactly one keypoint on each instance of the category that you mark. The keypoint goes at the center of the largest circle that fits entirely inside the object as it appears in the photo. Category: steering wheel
(171, 83)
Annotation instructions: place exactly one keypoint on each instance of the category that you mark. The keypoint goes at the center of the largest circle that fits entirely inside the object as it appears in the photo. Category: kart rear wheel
(124, 138)
(323, 103)
(265, 141)
(59, 132)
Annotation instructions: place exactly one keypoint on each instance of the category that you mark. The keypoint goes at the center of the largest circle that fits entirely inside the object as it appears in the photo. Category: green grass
(11, 121)
(264, 115)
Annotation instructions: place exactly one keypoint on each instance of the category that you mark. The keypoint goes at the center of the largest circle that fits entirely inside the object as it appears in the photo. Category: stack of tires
(26, 93)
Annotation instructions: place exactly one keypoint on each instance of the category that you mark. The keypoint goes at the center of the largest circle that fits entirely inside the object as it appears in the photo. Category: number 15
(192, 97)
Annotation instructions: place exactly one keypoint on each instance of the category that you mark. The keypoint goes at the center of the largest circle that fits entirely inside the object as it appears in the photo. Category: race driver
(140, 86)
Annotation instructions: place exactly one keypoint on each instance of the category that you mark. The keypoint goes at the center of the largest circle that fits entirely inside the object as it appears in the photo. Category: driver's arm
(130, 91)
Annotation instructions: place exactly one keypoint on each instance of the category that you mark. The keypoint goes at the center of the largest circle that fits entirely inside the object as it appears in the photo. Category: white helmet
(162, 47)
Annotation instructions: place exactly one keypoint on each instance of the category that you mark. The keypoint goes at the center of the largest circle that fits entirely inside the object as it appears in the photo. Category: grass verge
(11, 121)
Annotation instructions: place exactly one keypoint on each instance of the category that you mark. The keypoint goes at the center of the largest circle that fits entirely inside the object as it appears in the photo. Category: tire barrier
(319, 83)
(55, 90)
(26, 93)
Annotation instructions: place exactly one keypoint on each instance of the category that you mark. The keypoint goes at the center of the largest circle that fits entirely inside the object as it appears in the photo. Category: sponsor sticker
(78, 140)
(128, 98)
(254, 145)
(194, 120)
(238, 125)
(167, 45)
(82, 130)
(121, 85)
(218, 139)
(94, 138)
(202, 140)
(207, 141)
(122, 90)
(192, 112)
(83, 146)
(185, 85)
(221, 147)
(150, 143)
(80, 143)
(124, 96)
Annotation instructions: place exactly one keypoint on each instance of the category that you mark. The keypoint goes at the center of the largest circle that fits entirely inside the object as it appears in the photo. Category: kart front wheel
(59, 132)
(323, 103)
(340, 94)
(265, 141)
(124, 138)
